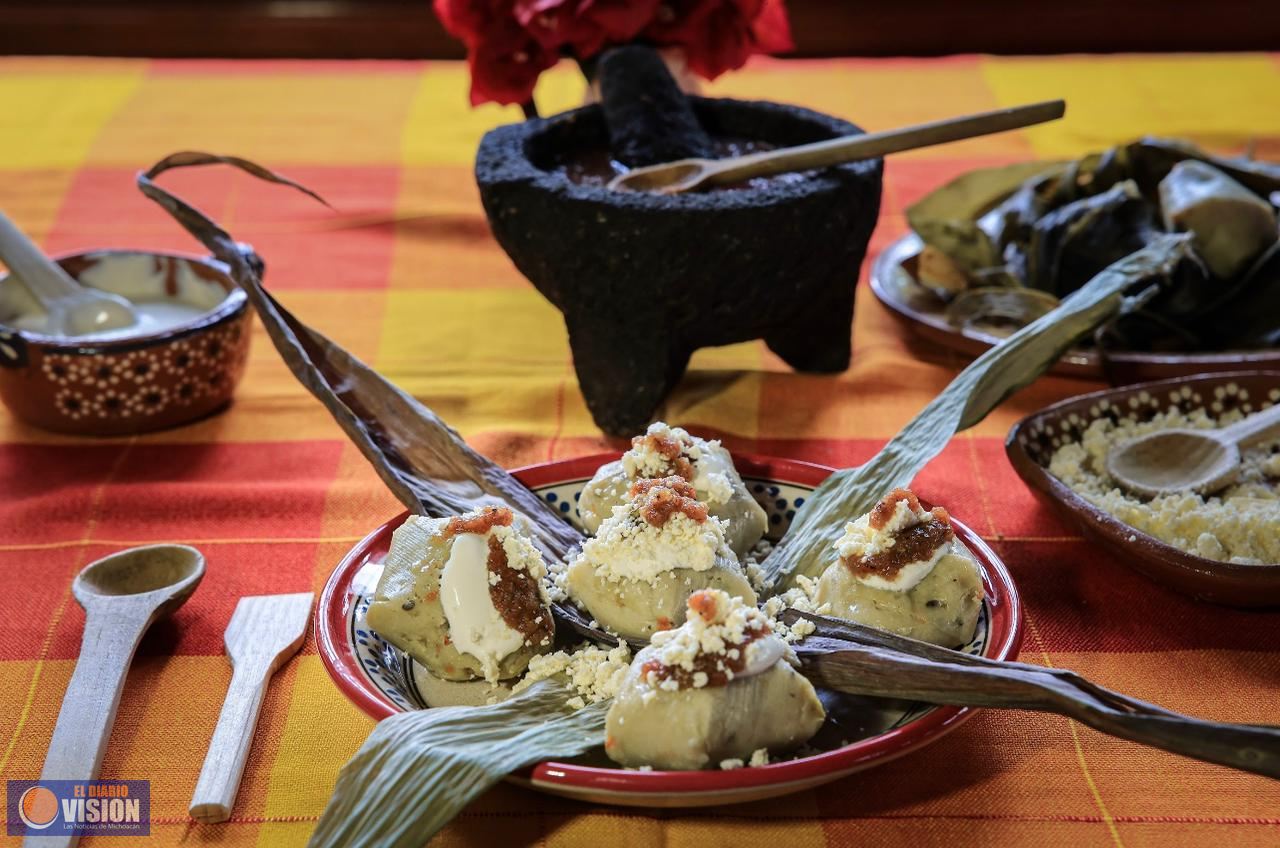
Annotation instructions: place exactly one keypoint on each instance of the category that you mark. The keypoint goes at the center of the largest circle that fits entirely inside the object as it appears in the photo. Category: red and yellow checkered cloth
(407, 277)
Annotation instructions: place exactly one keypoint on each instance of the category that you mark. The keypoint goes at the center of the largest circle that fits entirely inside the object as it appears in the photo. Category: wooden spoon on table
(863, 660)
(73, 309)
(690, 174)
(1200, 461)
(122, 595)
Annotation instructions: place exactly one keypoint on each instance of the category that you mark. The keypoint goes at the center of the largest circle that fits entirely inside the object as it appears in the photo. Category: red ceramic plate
(350, 653)
(894, 285)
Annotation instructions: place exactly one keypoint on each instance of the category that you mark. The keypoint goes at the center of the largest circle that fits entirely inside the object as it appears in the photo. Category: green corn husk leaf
(418, 770)
(807, 549)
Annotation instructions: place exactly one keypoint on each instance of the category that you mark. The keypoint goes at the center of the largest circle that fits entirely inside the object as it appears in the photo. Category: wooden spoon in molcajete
(692, 174)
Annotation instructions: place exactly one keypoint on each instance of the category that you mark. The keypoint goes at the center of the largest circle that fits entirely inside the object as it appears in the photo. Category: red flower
(505, 65)
(468, 20)
(720, 35)
(584, 26)
(511, 42)
(771, 29)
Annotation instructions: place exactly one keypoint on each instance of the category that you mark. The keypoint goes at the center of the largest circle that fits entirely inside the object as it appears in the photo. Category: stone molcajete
(645, 279)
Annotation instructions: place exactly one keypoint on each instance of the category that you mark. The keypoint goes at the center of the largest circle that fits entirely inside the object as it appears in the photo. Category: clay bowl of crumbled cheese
(1224, 548)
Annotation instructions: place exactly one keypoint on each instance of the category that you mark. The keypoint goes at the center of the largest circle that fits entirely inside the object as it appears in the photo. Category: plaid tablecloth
(406, 275)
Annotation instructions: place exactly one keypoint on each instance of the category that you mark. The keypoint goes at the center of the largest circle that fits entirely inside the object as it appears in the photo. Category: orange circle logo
(38, 807)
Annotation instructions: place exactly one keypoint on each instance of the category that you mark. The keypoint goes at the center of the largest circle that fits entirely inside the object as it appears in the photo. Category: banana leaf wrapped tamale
(1052, 227)
(1071, 244)
(1232, 225)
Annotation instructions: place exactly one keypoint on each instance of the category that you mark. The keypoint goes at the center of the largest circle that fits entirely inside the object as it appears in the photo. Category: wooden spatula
(265, 630)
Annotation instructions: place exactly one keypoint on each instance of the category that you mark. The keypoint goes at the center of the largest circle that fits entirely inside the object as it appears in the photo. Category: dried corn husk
(423, 460)
(860, 660)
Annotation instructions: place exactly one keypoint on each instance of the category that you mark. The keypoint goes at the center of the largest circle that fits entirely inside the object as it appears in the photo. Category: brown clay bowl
(133, 384)
(1033, 440)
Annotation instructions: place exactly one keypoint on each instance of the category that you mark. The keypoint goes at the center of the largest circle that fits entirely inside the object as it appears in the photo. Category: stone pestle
(650, 120)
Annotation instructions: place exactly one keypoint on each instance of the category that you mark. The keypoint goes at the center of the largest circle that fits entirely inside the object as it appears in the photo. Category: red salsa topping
(672, 450)
(719, 668)
(667, 496)
(910, 544)
(516, 598)
(888, 505)
(480, 523)
(515, 595)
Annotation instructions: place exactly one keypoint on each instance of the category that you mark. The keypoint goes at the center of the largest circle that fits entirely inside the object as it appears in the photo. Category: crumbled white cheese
(522, 553)
(861, 540)
(627, 547)
(801, 598)
(717, 625)
(642, 462)
(713, 486)
(556, 583)
(751, 565)
(710, 476)
(1236, 525)
(596, 673)
(759, 757)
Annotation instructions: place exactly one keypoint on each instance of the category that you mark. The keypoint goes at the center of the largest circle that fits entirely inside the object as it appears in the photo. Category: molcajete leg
(625, 369)
(820, 337)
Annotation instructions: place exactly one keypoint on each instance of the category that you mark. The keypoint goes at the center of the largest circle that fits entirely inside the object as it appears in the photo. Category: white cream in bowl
(167, 293)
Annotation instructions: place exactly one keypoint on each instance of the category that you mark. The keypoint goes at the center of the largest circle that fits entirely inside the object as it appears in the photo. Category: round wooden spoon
(1201, 461)
(122, 595)
(690, 174)
(74, 310)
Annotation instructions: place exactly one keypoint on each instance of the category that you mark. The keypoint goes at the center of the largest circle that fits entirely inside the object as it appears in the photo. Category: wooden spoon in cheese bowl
(1200, 461)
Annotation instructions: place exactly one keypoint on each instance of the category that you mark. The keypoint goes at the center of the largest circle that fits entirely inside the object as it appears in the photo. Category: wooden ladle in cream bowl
(1200, 461)
(73, 309)
(122, 595)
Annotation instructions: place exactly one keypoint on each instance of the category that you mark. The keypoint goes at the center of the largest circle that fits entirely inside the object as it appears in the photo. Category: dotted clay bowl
(1033, 440)
(132, 384)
